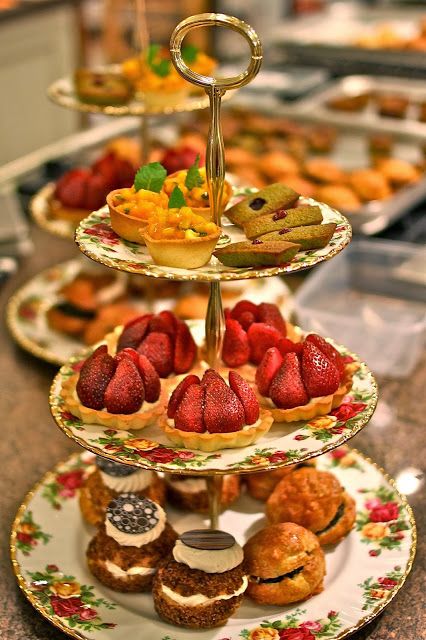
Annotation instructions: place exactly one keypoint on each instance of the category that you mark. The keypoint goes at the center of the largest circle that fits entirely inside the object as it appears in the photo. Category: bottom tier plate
(364, 572)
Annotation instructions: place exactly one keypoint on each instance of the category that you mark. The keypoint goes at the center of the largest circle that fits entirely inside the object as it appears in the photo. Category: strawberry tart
(119, 392)
(302, 380)
(209, 414)
(251, 329)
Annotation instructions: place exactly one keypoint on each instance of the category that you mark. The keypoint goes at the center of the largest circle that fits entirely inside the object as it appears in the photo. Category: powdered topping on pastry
(187, 485)
(133, 521)
(199, 599)
(122, 477)
(118, 572)
(211, 557)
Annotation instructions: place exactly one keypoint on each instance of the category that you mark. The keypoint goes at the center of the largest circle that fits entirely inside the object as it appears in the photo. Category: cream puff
(190, 492)
(128, 547)
(111, 478)
(203, 583)
(285, 564)
(261, 485)
(315, 500)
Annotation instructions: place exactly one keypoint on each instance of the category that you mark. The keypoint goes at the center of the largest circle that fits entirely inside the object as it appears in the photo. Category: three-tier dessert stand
(363, 575)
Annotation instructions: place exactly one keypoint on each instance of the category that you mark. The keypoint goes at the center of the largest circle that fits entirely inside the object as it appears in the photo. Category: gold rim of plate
(39, 205)
(75, 634)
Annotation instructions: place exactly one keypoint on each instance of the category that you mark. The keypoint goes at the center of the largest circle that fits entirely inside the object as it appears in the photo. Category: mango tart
(130, 210)
(196, 194)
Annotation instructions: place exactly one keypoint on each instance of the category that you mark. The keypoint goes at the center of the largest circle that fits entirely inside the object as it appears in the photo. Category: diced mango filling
(179, 224)
(195, 197)
(140, 204)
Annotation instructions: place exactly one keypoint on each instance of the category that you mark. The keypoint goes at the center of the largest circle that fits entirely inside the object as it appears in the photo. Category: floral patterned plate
(364, 572)
(282, 446)
(98, 241)
(26, 310)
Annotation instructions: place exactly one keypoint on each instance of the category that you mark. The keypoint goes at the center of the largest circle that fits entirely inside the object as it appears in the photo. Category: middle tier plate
(97, 240)
(283, 445)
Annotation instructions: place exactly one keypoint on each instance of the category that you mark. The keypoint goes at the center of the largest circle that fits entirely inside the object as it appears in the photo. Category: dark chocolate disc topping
(114, 469)
(132, 514)
(208, 539)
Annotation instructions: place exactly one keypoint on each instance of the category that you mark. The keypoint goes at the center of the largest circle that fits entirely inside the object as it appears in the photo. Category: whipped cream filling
(113, 291)
(118, 572)
(137, 481)
(198, 599)
(208, 560)
(137, 539)
(187, 485)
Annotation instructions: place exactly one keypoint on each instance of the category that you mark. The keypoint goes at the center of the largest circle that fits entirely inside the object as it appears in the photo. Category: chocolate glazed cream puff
(285, 564)
(111, 478)
(315, 500)
(202, 584)
(126, 551)
(190, 492)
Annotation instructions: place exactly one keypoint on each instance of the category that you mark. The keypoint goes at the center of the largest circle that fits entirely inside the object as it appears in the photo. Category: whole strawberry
(94, 378)
(320, 376)
(134, 332)
(185, 349)
(328, 350)
(236, 350)
(189, 414)
(261, 337)
(267, 369)
(158, 348)
(287, 389)
(125, 391)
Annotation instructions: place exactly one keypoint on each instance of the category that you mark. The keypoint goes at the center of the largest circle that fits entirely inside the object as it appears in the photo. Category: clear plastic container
(372, 299)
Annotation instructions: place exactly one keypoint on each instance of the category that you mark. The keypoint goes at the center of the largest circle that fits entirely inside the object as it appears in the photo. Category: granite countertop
(31, 444)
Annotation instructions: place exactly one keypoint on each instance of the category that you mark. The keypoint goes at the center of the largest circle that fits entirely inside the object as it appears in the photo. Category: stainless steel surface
(369, 119)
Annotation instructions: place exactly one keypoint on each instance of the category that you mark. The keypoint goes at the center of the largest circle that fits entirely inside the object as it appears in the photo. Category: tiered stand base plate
(364, 572)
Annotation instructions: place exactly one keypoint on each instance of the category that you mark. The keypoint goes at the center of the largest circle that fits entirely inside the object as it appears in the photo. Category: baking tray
(326, 40)
(369, 119)
(351, 152)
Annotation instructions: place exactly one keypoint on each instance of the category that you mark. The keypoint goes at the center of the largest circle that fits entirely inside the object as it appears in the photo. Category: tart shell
(213, 441)
(127, 227)
(125, 422)
(181, 253)
(59, 212)
(316, 406)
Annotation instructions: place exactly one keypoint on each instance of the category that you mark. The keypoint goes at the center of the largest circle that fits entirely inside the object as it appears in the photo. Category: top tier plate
(62, 92)
(98, 241)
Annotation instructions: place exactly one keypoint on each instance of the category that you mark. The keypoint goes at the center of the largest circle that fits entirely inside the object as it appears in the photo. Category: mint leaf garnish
(152, 52)
(150, 177)
(189, 53)
(193, 175)
(161, 68)
(176, 200)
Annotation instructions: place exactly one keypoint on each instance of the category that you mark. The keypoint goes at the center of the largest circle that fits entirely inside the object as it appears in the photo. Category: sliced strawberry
(270, 314)
(241, 307)
(71, 188)
(94, 378)
(261, 337)
(164, 322)
(185, 349)
(223, 412)
(246, 396)
(287, 389)
(189, 414)
(134, 332)
(328, 350)
(128, 352)
(236, 350)
(319, 374)
(125, 391)
(271, 362)
(158, 348)
(96, 192)
(150, 378)
(179, 392)
(227, 314)
(285, 345)
(211, 377)
(246, 319)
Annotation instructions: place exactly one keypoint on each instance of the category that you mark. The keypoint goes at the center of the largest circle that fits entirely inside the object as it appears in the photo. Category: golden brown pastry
(315, 500)
(338, 196)
(301, 185)
(277, 164)
(260, 485)
(370, 184)
(237, 157)
(321, 139)
(324, 170)
(392, 106)
(190, 492)
(380, 145)
(398, 172)
(349, 103)
(285, 563)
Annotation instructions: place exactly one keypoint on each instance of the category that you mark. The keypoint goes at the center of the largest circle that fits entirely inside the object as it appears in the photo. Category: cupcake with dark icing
(135, 537)
(111, 478)
(190, 492)
(202, 584)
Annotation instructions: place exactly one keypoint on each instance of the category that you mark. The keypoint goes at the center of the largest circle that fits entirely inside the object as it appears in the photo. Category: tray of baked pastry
(372, 103)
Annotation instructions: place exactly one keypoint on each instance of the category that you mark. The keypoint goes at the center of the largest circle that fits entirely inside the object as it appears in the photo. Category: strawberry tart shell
(148, 415)
(320, 406)
(209, 442)
(72, 214)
